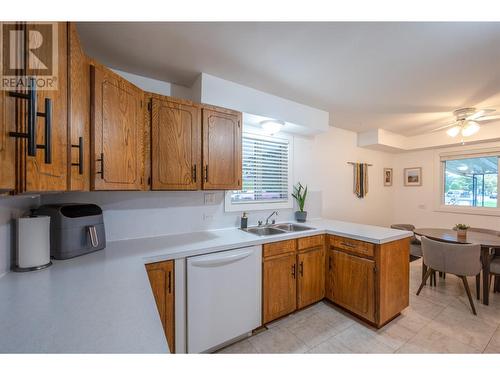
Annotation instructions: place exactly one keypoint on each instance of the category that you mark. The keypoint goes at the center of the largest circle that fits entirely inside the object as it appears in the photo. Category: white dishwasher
(223, 297)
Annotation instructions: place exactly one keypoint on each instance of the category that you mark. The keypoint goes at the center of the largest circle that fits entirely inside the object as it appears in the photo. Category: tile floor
(437, 321)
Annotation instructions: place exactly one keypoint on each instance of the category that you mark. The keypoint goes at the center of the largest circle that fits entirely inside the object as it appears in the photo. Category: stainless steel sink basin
(269, 230)
(291, 227)
(264, 231)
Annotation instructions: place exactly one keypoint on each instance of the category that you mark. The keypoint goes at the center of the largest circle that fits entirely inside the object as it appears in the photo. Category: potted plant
(300, 193)
(461, 231)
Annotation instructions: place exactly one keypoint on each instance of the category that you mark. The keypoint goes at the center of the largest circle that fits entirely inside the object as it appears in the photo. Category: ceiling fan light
(453, 132)
(470, 128)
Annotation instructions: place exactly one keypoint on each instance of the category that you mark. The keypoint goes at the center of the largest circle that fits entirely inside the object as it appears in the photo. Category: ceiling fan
(466, 123)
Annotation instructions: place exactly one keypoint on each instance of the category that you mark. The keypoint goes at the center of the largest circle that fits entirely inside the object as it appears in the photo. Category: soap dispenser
(244, 221)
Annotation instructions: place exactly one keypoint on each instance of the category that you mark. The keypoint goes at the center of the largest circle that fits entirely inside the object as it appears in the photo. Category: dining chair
(494, 254)
(415, 245)
(415, 248)
(494, 271)
(461, 260)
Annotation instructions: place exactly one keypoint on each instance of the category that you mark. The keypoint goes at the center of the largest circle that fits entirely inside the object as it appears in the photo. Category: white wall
(319, 162)
(323, 162)
(416, 205)
(217, 91)
(145, 214)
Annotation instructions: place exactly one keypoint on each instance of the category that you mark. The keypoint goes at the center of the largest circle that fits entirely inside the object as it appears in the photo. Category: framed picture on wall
(387, 176)
(413, 176)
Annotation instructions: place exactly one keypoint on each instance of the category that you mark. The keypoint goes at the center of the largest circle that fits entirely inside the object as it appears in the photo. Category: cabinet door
(38, 175)
(311, 276)
(161, 278)
(175, 145)
(78, 113)
(354, 284)
(117, 132)
(279, 286)
(329, 274)
(221, 150)
(7, 143)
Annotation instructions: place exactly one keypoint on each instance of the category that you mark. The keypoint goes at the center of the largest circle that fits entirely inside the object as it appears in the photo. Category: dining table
(487, 241)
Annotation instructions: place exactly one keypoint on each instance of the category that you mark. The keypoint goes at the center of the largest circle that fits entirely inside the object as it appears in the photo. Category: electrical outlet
(208, 217)
(422, 206)
(209, 198)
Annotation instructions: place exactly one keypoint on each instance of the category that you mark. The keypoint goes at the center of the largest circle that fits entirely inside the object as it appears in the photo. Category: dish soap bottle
(244, 221)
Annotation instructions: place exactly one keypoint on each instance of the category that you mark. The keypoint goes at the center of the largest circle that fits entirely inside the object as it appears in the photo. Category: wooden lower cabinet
(353, 284)
(372, 284)
(311, 276)
(292, 280)
(161, 278)
(279, 286)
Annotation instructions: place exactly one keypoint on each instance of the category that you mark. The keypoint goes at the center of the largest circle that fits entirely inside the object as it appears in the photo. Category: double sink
(268, 230)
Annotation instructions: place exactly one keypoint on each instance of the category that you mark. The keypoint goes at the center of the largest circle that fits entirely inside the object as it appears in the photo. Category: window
(266, 168)
(470, 180)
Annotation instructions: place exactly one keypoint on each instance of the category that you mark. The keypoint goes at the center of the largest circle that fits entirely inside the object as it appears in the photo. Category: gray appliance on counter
(75, 229)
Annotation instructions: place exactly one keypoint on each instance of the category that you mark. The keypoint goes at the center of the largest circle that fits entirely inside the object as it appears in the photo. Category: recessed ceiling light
(272, 126)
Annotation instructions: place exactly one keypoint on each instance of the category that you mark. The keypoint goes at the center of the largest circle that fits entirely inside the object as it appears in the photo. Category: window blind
(265, 170)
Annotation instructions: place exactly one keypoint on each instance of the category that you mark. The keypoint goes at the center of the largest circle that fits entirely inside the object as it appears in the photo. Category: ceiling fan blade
(445, 126)
(479, 113)
(488, 118)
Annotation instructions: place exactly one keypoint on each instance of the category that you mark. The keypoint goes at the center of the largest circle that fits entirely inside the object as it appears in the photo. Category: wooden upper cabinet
(221, 149)
(7, 143)
(311, 276)
(353, 284)
(279, 286)
(36, 174)
(117, 154)
(161, 278)
(175, 145)
(78, 113)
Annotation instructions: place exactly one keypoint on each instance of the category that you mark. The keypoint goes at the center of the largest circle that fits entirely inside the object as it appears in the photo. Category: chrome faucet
(273, 213)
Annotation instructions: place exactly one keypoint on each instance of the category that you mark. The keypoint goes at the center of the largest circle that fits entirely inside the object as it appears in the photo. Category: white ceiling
(402, 77)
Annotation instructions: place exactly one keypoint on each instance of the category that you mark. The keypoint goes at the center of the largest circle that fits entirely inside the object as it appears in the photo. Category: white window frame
(229, 206)
(439, 175)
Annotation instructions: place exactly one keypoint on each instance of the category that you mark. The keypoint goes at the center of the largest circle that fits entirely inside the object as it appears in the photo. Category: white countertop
(102, 302)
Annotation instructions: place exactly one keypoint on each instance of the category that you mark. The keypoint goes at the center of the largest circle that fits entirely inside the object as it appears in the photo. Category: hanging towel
(360, 179)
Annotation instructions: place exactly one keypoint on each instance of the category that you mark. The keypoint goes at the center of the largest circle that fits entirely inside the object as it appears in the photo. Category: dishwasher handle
(221, 259)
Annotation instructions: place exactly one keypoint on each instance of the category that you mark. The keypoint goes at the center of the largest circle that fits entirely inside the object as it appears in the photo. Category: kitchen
(214, 216)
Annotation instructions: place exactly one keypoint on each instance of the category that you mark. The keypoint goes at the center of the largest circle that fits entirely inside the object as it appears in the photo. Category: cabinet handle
(48, 131)
(348, 244)
(194, 173)
(102, 166)
(301, 269)
(30, 135)
(169, 282)
(293, 271)
(206, 173)
(330, 263)
(80, 155)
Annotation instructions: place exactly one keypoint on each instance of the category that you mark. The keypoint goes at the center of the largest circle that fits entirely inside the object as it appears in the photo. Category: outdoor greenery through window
(265, 170)
(471, 181)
